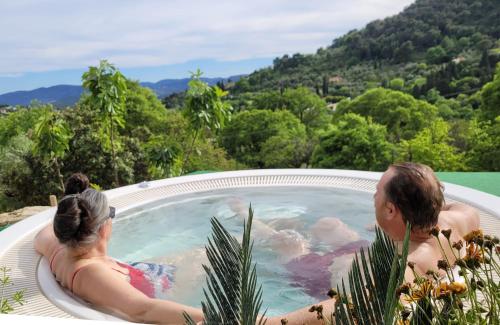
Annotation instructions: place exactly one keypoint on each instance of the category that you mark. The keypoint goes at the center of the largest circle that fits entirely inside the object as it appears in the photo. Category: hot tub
(45, 297)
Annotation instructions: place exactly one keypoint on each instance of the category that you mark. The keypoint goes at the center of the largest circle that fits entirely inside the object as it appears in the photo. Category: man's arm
(304, 316)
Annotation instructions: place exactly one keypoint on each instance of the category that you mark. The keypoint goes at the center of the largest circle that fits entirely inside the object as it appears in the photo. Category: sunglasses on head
(112, 211)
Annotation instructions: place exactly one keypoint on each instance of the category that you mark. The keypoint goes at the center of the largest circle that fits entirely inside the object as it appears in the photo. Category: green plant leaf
(231, 296)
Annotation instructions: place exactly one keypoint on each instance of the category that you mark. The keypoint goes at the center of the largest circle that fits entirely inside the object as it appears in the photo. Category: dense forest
(451, 46)
(420, 86)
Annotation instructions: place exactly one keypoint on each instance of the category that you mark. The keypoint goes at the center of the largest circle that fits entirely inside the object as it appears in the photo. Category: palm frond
(231, 296)
(373, 280)
(396, 278)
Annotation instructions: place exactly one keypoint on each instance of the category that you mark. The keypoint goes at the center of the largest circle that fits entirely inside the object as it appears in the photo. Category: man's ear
(391, 210)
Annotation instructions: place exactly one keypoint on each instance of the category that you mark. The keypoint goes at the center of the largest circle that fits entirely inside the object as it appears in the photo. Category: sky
(49, 42)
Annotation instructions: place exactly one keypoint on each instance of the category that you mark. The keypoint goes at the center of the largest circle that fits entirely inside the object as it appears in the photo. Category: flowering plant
(468, 294)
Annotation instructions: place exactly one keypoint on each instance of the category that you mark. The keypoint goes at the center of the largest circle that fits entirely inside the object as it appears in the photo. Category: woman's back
(66, 267)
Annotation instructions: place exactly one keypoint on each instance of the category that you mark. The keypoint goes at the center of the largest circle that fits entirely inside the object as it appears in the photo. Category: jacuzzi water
(175, 230)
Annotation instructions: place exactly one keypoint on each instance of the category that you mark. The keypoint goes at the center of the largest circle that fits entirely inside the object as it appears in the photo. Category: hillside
(68, 95)
(448, 45)
(60, 95)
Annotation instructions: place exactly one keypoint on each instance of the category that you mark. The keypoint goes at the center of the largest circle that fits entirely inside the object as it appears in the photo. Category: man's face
(380, 200)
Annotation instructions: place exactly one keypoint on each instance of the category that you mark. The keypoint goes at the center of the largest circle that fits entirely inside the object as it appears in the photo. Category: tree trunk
(59, 175)
(113, 154)
(189, 151)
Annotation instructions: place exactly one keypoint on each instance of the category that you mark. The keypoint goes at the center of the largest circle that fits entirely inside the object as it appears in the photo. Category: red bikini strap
(74, 275)
(122, 265)
(53, 257)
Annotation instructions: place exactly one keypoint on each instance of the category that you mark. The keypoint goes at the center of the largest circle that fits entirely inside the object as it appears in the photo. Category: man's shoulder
(423, 255)
(461, 217)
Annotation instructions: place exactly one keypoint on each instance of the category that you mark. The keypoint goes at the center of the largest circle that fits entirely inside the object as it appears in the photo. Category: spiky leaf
(232, 296)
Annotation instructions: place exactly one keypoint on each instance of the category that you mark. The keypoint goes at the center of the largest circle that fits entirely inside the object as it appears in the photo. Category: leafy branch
(6, 302)
(232, 296)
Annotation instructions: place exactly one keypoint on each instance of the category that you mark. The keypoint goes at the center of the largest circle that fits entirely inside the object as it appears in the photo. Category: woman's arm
(104, 287)
(45, 241)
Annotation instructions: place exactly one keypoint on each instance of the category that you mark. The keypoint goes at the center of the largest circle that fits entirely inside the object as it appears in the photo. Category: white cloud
(49, 34)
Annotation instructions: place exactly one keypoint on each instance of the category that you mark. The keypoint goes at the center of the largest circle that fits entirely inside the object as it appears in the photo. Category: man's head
(411, 191)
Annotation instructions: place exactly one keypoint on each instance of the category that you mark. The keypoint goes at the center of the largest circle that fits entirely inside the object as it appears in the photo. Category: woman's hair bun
(67, 219)
(73, 222)
(87, 222)
(76, 183)
(79, 218)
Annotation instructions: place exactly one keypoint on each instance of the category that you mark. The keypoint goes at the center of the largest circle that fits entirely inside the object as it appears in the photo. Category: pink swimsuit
(151, 279)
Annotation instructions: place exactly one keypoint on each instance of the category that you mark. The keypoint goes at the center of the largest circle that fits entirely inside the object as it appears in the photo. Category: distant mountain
(60, 95)
(67, 95)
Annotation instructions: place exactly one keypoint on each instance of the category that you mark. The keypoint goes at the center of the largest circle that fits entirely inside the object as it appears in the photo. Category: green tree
(271, 100)
(143, 109)
(302, 102)
(19, 122)
(354, 142)
(164, 158)
(397, 84)
(171, 134)
(204, 109)
(307, 106)
(403, 115)
(437, 55)
(51, 140)
(209, 156)
(13, 164)
(25, 179)
(284, 150)
(108, 89)
(432, 147)
(404, 52)
(95, 160)
(490, 97)
(484, 145)
(263, 138)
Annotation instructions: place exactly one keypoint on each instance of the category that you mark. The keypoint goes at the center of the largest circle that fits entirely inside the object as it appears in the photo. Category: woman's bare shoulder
(99, 284)
(45, 241)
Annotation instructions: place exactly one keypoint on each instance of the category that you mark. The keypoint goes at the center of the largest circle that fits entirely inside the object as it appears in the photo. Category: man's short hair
(417, 193)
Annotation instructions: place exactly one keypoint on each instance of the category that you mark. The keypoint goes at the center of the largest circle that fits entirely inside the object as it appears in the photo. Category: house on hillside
(6, 109)
(336, 80)
(332, 106)
(458, 59)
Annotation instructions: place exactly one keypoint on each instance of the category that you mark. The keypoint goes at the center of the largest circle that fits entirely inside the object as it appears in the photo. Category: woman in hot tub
(76, 246)
(314, 272)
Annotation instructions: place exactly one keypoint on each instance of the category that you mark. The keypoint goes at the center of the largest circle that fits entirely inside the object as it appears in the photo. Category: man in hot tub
(410, 192)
